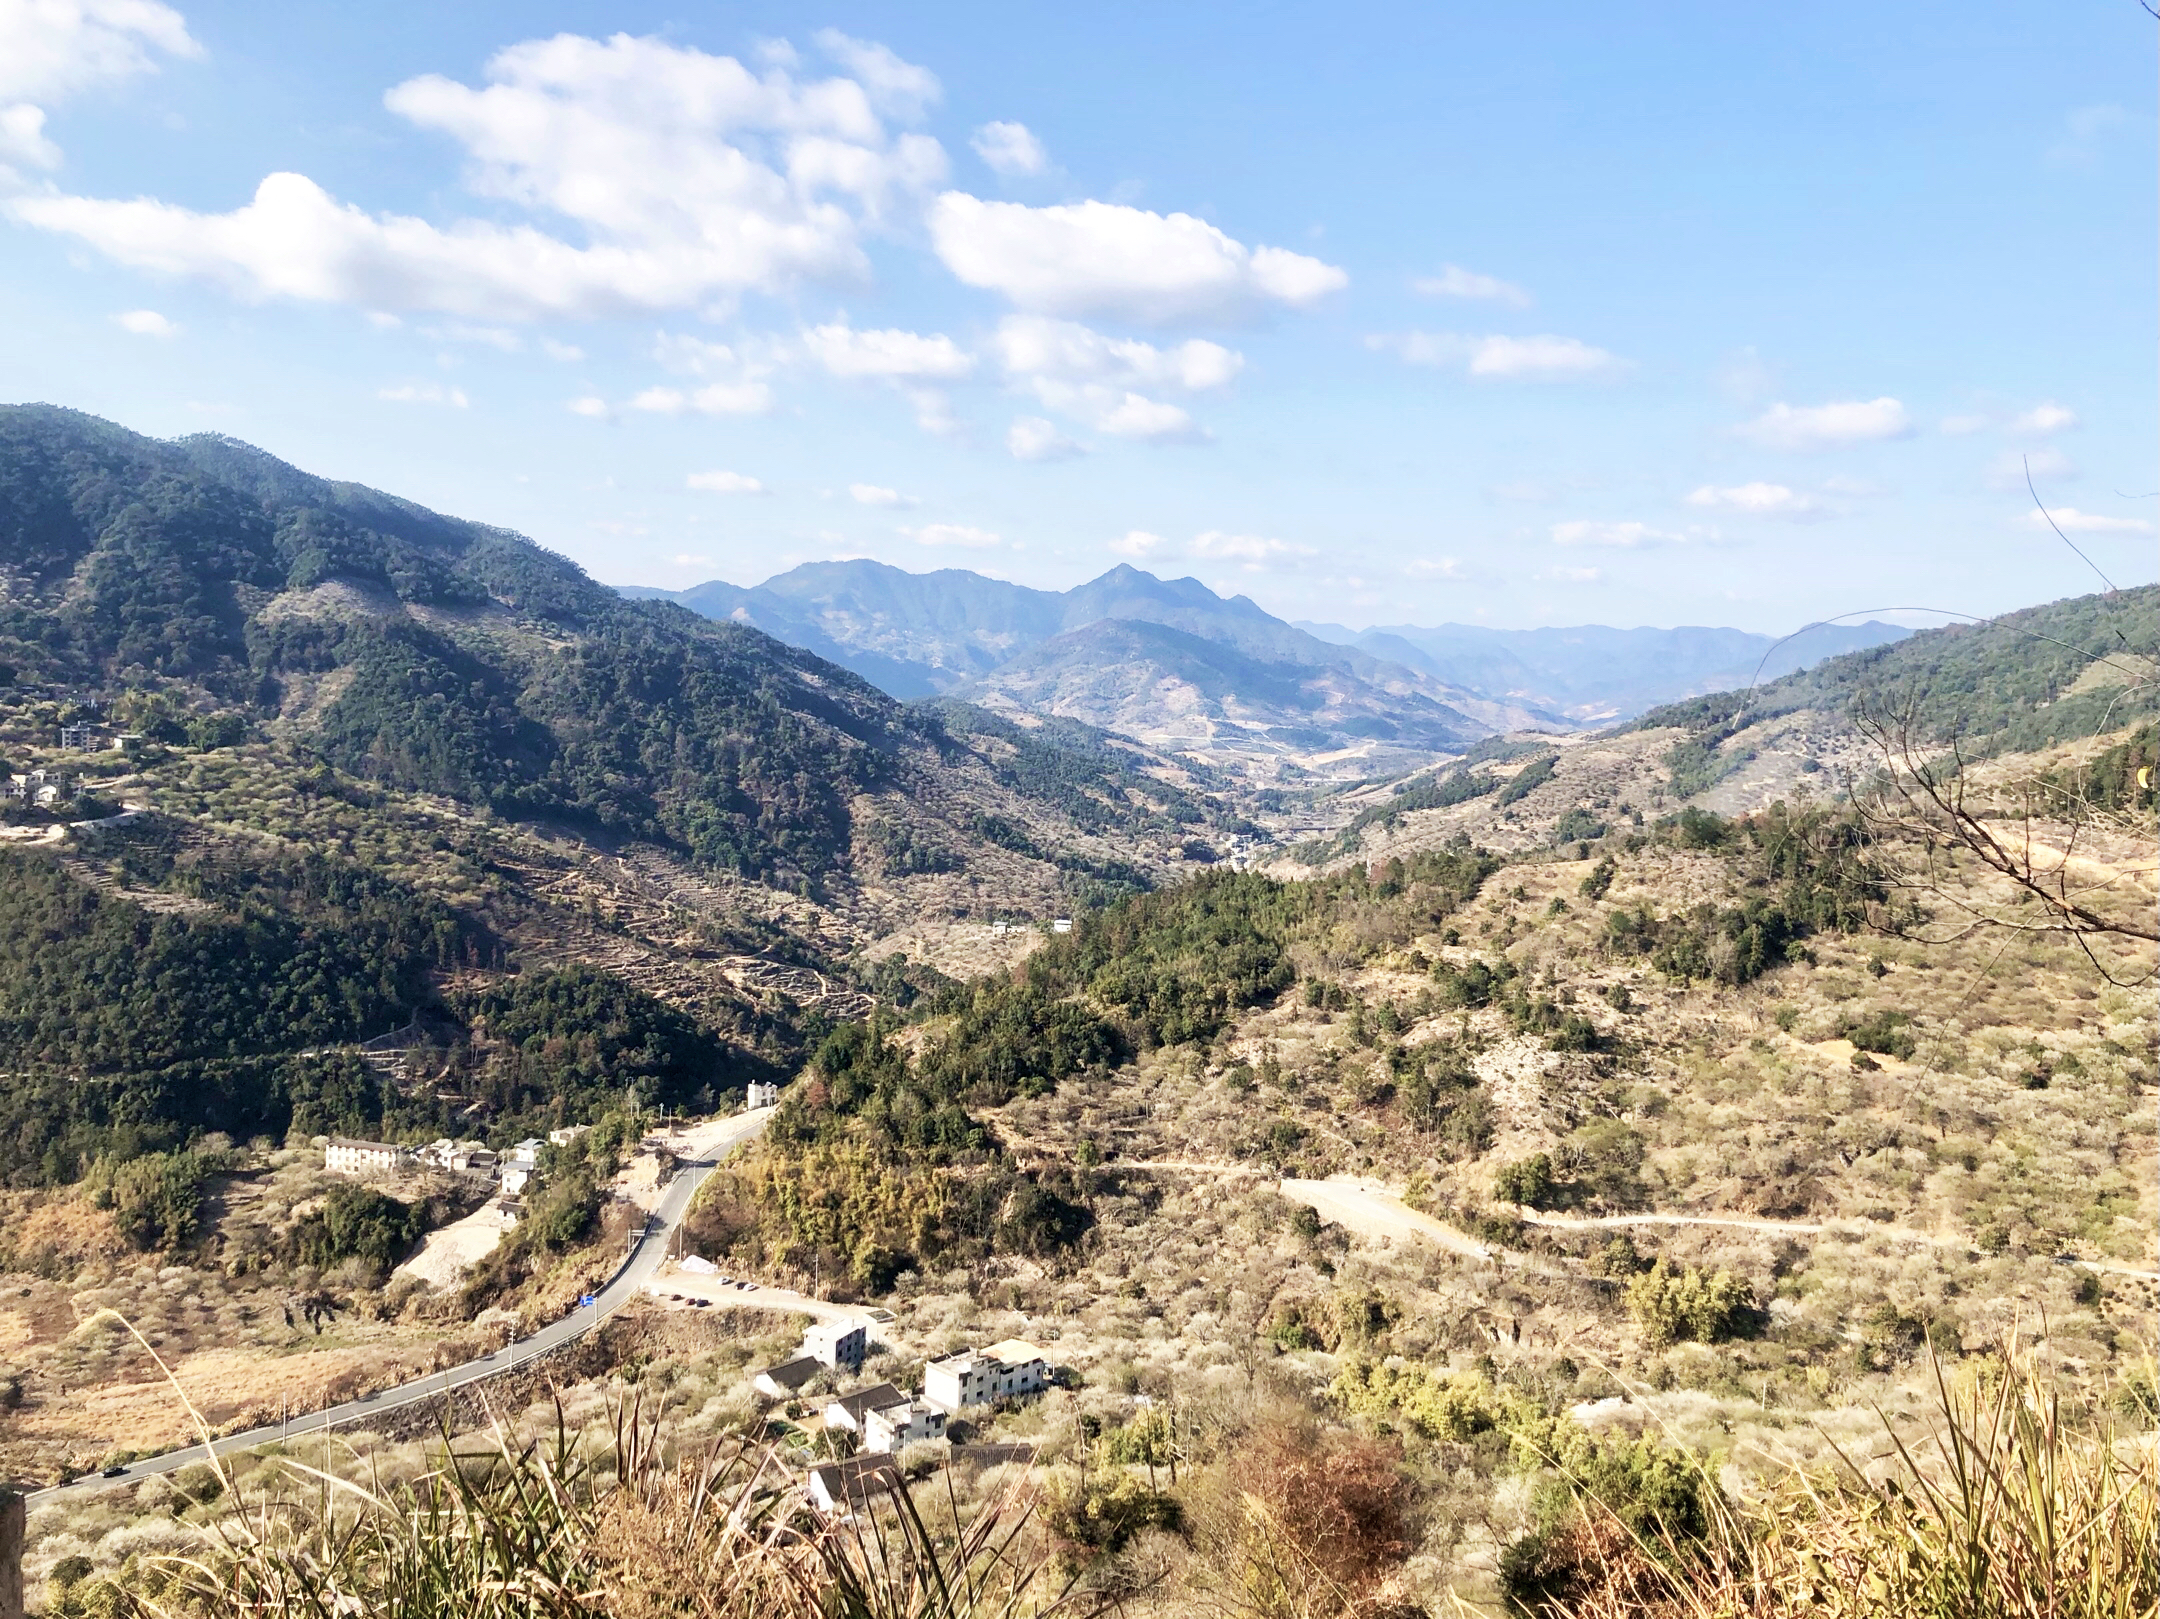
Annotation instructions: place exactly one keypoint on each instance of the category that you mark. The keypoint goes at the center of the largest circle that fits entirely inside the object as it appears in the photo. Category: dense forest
(469, 661)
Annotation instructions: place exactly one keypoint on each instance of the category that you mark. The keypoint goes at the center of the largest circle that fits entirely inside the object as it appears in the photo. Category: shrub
(1886, 1033)
(1671, 1304)
(1600, 879)
(1528, 1182)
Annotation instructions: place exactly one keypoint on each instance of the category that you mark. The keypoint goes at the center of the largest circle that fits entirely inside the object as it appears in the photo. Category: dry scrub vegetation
(1782, 1263)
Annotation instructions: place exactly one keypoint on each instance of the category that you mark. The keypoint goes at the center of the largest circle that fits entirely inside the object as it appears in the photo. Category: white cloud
(1627, 535)
(1572, 576)
(1038, 346)
(567, 352)
(726, 483)
(1136, 416)
(716, 399)
(1454, 281)
(894, 86)
(1138, 543)
(51, 49)
(1032, 438)
(1757, 500)
(1436, 568)
(870, 494)
(589, 405)
(2072, 521)
(689, 179)
(2010, 469)
(1102, 258)
(684, 559)
(1011, 149)
(146, 323)
(846, 352)
(1251, 549)
(1544, 358)
(424, 393)
(1964, 426)
(975, 539)
(22, 140)
(1096, 379)
(2044, 419)
(1823, 427)
(934, 412)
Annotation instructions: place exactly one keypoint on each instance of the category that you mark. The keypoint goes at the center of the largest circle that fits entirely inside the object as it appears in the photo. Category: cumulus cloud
(1081, 373)
(1102, 258)
(726, 483)
(1454, 281)
(1436, 568)
(52, 49)
(1827, 427)
(589, 405)
(1035, 438)
(2072, 521)
(1037, 346)
(1757, 500)
(1626, 535)
(424, 393)
(1138, 543)
(974, 539)
(885, 355)
(893, 86)
(2044, 419)
(871, 494)
(1011, 149)
(22, 140)
(146, 323)
(1543, 358)
(690, 179)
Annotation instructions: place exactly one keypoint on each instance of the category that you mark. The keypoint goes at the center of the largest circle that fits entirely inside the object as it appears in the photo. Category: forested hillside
(386, 765)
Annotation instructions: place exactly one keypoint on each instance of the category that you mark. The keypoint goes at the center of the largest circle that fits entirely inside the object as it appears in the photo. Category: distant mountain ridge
(1192, 668)
(1596, 675)
(954, 631)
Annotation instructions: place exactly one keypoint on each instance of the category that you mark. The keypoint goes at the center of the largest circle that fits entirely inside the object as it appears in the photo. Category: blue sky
(1376, 313)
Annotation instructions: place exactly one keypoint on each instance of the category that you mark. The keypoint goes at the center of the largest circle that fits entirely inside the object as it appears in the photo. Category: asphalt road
(637, 1269)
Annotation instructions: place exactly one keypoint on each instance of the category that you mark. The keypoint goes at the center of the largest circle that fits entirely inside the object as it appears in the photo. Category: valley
(1316, 1053)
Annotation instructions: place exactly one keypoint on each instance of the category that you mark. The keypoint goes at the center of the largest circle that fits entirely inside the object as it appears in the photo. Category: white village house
(838, 1343)
(760, 1094)
(345, 1156)
(891, 1426)
(1012, 1370)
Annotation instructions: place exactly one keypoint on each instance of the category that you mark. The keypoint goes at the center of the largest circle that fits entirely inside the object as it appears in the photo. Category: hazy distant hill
(1594, 674)
(1214, 674)
(914, 635)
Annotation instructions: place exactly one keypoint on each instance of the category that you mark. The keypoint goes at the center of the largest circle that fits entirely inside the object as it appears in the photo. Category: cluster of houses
(884, 1418)
(512, 1169)
(41, 787)
(95, 739)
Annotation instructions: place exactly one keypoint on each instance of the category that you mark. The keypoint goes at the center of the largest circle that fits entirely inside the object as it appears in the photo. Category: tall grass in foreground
(573, 1525)
(2011, 1508)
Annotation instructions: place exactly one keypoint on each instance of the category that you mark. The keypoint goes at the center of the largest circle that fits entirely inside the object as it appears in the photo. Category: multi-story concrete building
(345, 1156)
(1012, 1370)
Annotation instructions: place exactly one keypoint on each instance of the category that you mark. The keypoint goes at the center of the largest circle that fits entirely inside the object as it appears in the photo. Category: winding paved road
(643, 1262)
